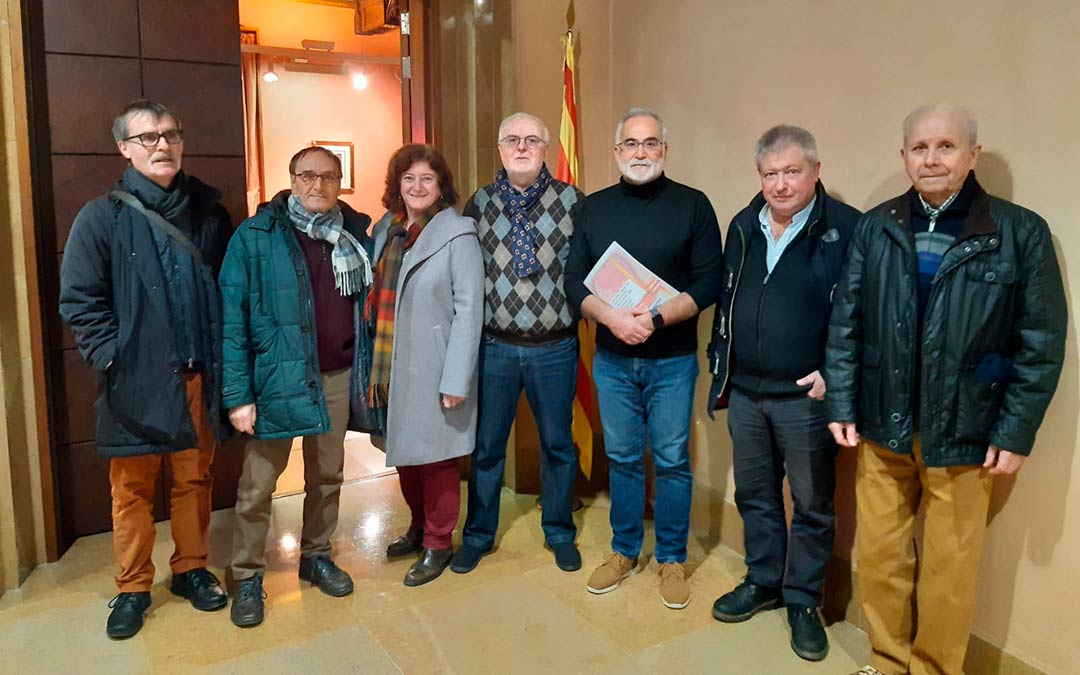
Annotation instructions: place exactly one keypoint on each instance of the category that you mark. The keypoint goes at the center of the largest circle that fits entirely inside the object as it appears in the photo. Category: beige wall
(722, 72)
(370, 119)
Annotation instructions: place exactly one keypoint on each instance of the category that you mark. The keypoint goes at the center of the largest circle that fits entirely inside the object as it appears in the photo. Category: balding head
(940, 150)
(957, 114)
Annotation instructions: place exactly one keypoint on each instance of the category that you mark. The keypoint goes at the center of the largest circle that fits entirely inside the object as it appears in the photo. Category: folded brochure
(621, 281)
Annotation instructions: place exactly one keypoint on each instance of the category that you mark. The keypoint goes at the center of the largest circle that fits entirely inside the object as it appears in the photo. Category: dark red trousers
(433, 493)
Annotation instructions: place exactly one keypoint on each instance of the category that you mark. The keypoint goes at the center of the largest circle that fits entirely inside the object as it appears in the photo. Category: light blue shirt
(774, 248)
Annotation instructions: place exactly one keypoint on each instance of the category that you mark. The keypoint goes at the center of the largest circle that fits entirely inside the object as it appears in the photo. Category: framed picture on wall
(344, 152)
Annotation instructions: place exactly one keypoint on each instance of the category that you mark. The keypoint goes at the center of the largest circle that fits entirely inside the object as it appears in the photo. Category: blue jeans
(548, 374)
(653, 396)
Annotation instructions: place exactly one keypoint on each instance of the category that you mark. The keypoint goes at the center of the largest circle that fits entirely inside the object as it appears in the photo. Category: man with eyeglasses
(138, 289)
(530, 339)
(646, 362)
(784, 255)
(292, 283)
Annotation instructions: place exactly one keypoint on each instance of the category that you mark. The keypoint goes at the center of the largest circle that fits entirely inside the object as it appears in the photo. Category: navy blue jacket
(797, 347)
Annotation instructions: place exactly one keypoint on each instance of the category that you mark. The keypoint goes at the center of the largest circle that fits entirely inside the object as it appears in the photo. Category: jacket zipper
(297, 257)
(731, 308)
(765, 283)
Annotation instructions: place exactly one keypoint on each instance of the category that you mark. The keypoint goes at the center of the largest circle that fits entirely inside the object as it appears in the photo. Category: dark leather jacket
(993, 336)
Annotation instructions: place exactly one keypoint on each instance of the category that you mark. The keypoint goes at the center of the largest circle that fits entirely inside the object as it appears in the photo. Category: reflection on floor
(362, 460)
(516, 613)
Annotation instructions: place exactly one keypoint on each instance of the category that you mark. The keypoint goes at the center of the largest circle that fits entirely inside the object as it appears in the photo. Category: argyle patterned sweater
(535, 305)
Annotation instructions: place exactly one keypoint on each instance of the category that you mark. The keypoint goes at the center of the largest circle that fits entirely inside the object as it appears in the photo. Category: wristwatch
(657, 318)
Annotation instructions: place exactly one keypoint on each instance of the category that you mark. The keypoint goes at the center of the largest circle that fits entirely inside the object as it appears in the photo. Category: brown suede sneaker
(674, 589)
(607, 577)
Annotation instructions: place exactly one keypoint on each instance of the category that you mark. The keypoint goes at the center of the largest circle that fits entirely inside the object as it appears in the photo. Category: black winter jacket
(112, 294)
(993, 334)
(824, 241)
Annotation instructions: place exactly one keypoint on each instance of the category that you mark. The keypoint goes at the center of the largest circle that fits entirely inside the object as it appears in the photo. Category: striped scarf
(383, 298)
(352, 270)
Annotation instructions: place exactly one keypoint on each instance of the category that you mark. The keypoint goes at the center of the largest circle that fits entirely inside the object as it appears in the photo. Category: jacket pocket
(991, 272)
(978, 404)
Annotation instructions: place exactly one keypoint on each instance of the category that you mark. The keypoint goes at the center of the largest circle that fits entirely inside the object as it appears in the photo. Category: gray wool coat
(437, 324)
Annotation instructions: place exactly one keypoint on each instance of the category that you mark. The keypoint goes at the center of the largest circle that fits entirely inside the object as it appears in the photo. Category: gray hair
(782, 136)
(138, 107)
(639, 112)
(967, 118)
(523, 116)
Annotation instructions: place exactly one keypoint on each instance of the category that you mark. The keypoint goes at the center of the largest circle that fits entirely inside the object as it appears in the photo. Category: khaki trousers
(134, 482)
(265, 459)
(919, 603)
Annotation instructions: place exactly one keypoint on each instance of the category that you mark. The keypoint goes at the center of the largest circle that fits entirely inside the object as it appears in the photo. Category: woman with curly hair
(427, 304)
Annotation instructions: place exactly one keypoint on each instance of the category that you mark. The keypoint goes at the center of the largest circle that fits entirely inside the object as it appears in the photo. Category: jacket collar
(749, 215)
(978, 221)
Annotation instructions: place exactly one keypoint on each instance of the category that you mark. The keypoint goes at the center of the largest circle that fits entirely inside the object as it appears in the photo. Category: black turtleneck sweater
(671, 229)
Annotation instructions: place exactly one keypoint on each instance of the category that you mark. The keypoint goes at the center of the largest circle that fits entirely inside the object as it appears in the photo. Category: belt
(527, 340)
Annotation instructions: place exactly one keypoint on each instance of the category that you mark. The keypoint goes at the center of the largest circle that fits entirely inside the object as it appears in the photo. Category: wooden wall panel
(190, 30)
(85, 94)
(214, 117)
(92, 26)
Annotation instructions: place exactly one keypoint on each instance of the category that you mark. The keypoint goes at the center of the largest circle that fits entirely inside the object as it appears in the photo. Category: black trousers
(773, 437)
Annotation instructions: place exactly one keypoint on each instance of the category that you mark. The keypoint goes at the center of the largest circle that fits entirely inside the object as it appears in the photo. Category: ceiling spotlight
(270, 75)
(359, 81)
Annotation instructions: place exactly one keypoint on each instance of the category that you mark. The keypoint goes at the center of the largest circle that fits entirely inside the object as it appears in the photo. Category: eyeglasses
(531, 142)
(651, 145)
(309, 177)
(150, 138)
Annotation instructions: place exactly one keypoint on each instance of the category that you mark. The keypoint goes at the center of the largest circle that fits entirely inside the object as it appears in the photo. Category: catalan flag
(566, 170)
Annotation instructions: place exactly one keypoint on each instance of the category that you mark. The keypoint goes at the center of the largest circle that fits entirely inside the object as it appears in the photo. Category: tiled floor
(516, 613)
(362, 460)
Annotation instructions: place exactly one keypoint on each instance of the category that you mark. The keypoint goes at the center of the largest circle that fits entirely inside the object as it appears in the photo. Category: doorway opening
(328, 73)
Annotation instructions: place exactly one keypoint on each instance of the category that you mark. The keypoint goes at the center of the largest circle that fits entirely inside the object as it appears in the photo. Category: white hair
(965, 116)
(523, 116)
(639, 112)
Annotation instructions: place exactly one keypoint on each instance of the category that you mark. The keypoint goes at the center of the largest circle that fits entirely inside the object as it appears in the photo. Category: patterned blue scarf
(517, 206)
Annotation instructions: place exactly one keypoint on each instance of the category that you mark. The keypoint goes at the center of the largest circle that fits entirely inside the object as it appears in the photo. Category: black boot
(406, 544)
(744, 602)
(126, 617)
(321, 571)
(247, 604)
(808, 638)
(201, 588)
(429, 566)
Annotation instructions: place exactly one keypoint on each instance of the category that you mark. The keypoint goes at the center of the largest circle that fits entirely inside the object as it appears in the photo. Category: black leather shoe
(429, 566)
(247, 604)
(567, 557)
(808, 638)
(466, 559)
(407, 544)
(201, 588)
(744, 602)
(321, 571)
(127, 613)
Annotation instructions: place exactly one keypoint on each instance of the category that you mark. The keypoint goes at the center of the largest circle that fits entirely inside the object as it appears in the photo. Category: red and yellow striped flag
(566, 170)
